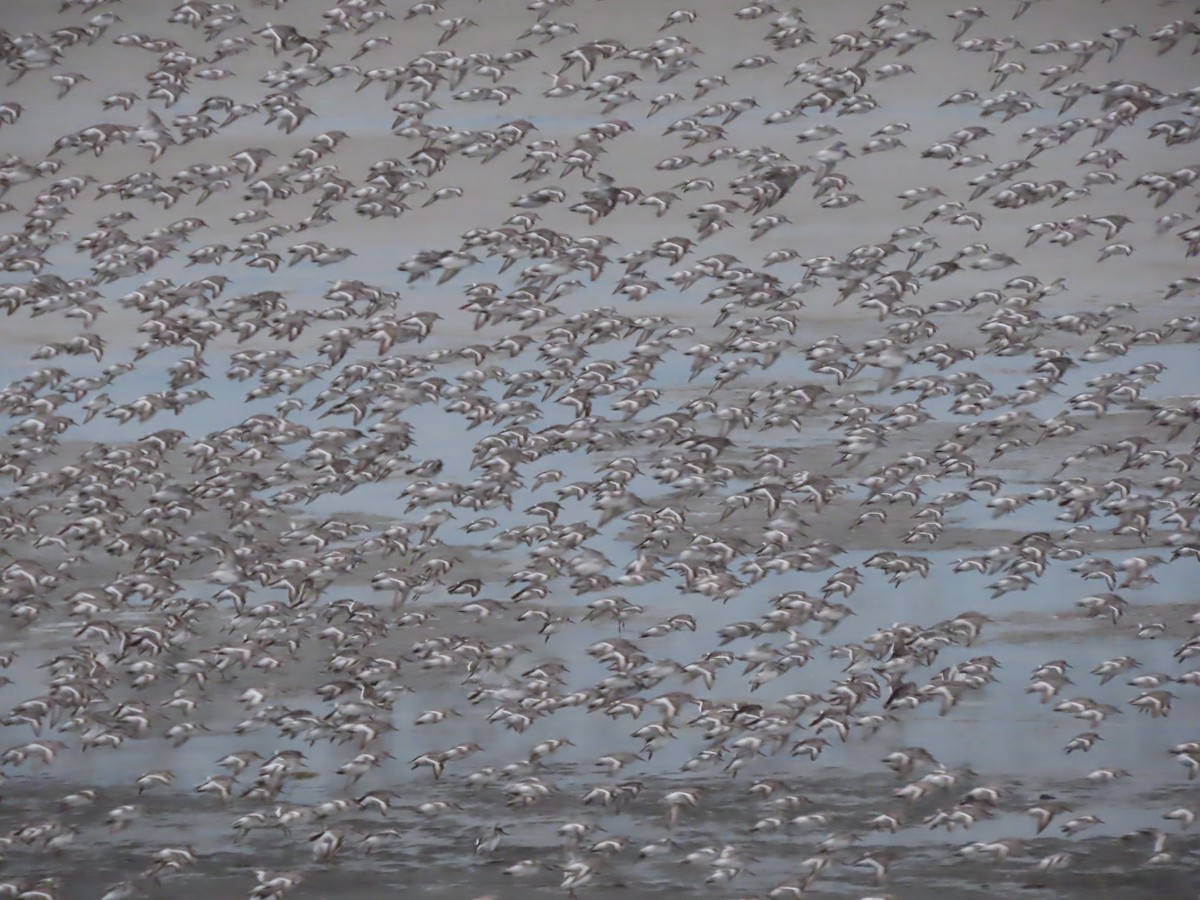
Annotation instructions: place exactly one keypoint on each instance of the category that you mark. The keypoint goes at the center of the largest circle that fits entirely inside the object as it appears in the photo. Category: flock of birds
(650, 492)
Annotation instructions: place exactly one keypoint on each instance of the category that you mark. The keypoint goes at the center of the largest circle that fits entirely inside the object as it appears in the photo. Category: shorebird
(605, 478)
